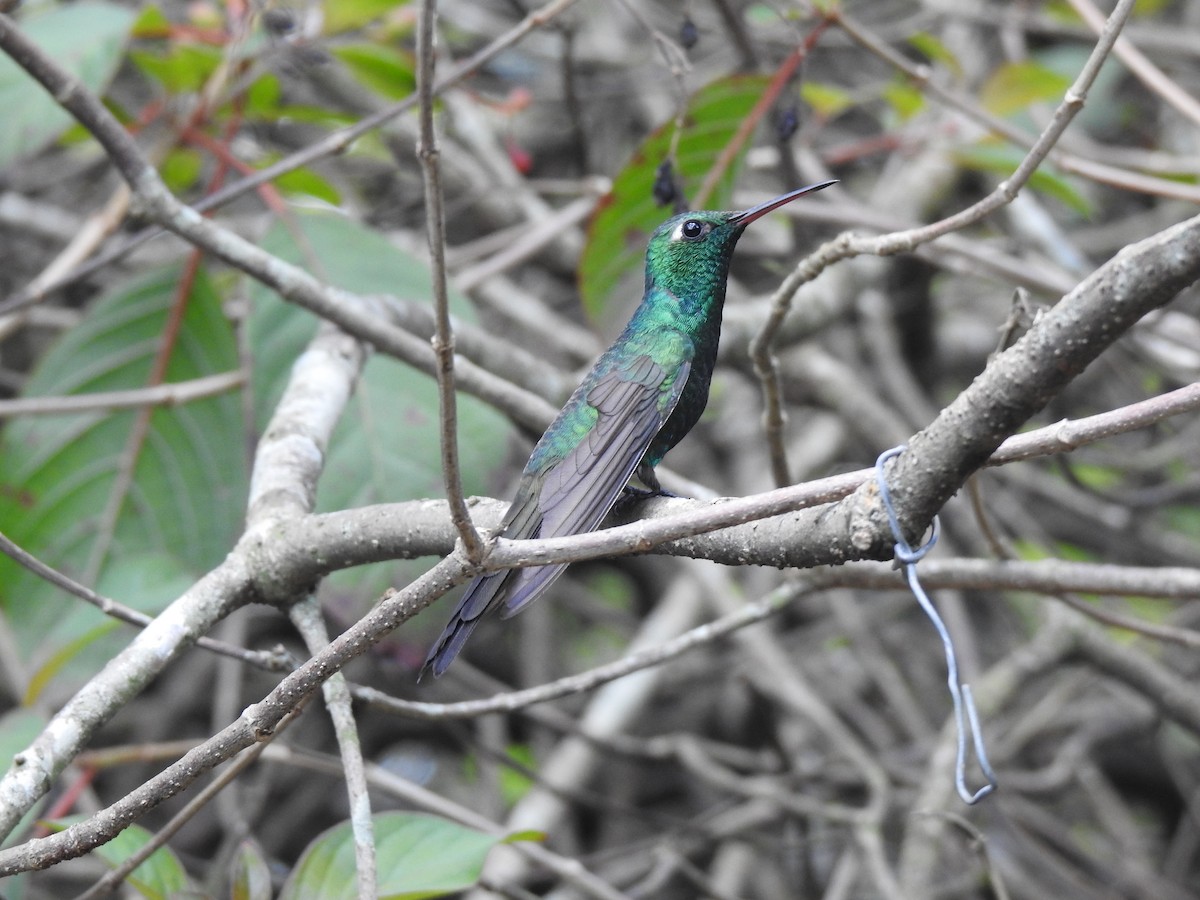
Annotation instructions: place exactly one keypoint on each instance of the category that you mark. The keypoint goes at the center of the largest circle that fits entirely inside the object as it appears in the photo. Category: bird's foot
(634, 494)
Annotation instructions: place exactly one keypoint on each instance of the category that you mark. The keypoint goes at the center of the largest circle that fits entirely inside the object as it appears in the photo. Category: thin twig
(174, 393)
(443, 341)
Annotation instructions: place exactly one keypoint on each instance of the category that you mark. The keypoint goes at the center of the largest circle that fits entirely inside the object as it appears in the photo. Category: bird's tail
(448, 646)
(511, 591)
(480, 597)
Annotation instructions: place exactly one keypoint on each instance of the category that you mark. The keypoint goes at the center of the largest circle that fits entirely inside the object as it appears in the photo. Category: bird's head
(689, 254)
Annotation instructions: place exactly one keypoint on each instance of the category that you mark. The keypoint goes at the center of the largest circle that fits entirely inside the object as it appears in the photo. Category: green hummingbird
(640, 398)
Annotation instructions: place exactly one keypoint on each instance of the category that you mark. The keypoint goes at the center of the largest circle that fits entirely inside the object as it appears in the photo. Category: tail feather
(479, 598)
(527, 585)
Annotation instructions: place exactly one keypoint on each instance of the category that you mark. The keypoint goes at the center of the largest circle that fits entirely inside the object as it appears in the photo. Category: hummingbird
(640, 398)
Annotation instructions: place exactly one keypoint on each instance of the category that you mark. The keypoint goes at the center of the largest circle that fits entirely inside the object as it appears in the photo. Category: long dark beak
(747, 216)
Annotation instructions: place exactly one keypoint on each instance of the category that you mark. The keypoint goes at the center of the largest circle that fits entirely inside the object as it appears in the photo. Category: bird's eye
(693, 230)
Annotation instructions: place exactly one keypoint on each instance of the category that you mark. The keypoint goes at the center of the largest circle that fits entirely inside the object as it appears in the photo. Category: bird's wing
(578, 492)
(573, 496)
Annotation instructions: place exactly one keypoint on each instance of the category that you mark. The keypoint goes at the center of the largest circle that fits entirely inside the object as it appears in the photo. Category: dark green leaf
(83, 639)
(616, 243)
(18, 728)
(58, 473)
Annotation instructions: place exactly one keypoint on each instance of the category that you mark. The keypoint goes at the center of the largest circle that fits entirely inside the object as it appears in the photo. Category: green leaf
(928, 45)
(1003, 160)
(616, 242)
(386, 71)
(87, 39)
(160, 877)
(181, 168)
(904, 99)
(263, 96)
(58, 473)
(181, 68)
(18, 728)
(61, 656)
(346, 15)
(307, 182)
(84, 639)
(251, 876)
(1013, 86)
(514, 783)
(419, 856)
(386, 448)
(826, 100)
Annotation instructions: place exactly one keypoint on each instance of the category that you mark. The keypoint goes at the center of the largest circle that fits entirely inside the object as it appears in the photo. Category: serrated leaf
(87, 39)
(616, 241)
(57, 473)
(1004, 160)
(160, 877)
(386, 448)
(418, 855)
(386, 71)
(1014, 86)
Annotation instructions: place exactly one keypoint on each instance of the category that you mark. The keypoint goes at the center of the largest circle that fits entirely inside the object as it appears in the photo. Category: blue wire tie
(964, 704)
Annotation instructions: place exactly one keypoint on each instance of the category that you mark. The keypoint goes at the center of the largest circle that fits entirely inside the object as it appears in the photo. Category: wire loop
(964, 705)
